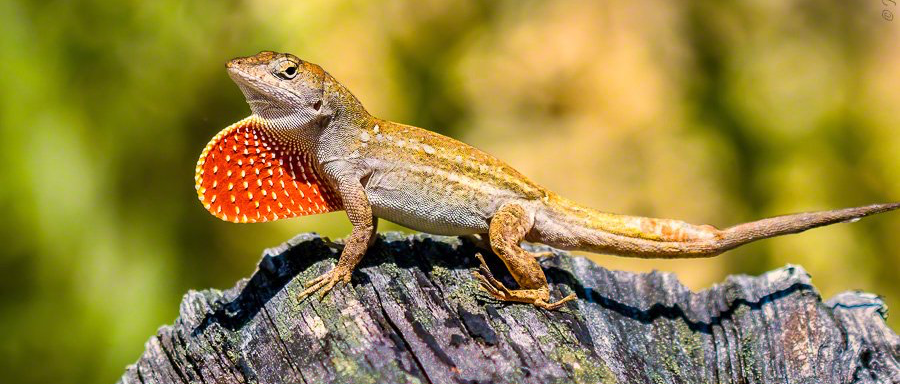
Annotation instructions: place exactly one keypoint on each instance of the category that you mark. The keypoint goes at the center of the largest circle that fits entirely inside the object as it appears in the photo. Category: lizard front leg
(361, 237)
(507, 229)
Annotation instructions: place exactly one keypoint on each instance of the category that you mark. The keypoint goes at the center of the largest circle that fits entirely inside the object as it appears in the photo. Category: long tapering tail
(593, 231)
(799, 222)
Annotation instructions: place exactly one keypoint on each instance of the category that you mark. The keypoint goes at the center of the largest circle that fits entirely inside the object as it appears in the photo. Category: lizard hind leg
(507, 229)
(481, 242)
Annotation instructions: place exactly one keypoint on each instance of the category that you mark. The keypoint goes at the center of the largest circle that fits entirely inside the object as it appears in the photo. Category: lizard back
(430, 182)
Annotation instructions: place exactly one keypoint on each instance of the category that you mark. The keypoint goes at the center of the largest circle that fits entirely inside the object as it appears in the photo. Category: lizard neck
(341, 107)
(323, 135)
(345, 116)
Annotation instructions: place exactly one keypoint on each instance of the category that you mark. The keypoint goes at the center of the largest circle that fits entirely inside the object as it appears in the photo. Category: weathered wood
(413, 313)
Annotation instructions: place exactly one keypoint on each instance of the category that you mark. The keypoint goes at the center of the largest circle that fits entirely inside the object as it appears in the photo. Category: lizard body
(310, 147)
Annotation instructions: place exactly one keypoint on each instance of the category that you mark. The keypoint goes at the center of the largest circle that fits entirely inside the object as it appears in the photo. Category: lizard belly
(439, 208)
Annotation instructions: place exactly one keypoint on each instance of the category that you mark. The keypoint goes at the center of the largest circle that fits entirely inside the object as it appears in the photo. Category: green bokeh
(768, 108)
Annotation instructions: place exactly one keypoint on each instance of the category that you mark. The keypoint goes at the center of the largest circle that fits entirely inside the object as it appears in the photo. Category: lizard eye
(286, 70)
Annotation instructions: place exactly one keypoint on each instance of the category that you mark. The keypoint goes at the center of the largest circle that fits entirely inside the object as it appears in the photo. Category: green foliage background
(713, 112)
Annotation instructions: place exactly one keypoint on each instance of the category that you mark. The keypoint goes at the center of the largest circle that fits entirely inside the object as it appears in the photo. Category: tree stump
(414, 313)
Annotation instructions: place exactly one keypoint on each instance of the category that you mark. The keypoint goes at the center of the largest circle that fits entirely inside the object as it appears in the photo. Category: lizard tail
(569, 226)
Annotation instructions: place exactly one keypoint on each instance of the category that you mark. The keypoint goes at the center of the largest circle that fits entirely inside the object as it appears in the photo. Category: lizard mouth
(261, 97)
(248, 86)
(273, 98)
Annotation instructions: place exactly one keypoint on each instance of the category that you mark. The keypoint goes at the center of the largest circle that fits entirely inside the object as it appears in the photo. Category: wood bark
(414, 313)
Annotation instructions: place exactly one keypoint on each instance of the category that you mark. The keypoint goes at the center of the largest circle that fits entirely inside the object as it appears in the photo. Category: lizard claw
(537, 297)
(492, 286)
(488, 281)
(554, 306)
(325, 283)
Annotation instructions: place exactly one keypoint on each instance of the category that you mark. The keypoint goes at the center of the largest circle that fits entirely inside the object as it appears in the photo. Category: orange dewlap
(248, 175)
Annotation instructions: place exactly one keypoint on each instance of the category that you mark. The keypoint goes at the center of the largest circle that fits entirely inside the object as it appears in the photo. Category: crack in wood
(396, 331)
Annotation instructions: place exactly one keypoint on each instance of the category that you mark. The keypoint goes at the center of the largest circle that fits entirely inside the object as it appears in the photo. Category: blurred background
(707, 111)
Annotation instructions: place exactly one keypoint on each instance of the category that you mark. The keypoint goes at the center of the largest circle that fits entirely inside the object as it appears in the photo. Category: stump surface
(414, 313)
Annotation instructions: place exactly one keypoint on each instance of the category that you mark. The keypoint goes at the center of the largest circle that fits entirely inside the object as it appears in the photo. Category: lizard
(310, 147)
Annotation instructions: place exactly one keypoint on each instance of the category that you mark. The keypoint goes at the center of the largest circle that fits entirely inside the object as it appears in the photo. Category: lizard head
(280, 87)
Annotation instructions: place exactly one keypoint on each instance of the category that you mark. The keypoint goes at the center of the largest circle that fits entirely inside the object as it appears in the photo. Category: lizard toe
(323, 284)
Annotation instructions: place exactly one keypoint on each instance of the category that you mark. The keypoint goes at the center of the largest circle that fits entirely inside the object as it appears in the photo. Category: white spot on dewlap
(375, 128)
(364, 136)
(428, 149)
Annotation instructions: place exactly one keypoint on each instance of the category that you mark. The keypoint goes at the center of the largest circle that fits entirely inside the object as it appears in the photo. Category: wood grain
(413, 313)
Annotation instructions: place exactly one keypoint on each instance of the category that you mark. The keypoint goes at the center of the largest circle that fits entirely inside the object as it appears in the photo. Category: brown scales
(246, 175)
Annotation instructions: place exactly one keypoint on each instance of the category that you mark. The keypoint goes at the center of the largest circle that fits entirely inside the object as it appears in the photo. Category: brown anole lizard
(310, 147)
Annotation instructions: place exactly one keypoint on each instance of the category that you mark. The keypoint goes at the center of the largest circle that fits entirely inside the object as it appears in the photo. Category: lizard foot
(325, 282)
(537, 297)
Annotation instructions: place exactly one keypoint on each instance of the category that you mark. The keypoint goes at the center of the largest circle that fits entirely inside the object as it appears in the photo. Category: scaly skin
(310, 147)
